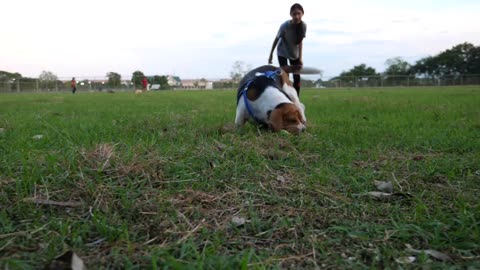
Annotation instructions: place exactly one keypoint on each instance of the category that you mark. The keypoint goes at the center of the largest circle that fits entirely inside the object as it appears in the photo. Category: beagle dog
(266, 97)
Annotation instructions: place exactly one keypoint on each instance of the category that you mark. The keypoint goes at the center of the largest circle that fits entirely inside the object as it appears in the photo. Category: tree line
(461, 60)
(47, 80)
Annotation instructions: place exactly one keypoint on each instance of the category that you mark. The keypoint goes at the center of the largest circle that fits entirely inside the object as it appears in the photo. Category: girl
(289, 40)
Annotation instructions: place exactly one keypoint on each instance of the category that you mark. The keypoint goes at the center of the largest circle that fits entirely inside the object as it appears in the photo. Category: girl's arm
(300, 53)
(270, 58)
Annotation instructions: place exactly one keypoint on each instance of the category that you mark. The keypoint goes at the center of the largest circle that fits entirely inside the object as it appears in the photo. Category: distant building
(197, 84)
(225, 80)
(224, 84)
(154, 87)
(209, 85)
(174, 81)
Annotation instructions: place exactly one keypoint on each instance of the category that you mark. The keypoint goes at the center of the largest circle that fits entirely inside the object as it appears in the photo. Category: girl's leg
(282, 61)
(296, 77)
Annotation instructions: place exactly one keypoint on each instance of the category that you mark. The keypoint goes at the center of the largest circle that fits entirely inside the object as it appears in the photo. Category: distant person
(290, 42)
(144, 83)
(73, 84)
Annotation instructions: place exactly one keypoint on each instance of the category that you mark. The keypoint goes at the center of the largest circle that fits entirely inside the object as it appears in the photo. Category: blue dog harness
(269, 74)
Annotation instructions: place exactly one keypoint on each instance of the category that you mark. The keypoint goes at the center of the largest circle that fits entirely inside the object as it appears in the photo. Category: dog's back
(251, 75)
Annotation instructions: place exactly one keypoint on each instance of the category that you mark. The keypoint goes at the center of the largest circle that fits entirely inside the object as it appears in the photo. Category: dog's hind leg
(242, 115)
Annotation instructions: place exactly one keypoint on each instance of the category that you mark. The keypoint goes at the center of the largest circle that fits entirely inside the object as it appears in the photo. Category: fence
(83, 85)
(96, 84)
(399, 81)
(9, 85)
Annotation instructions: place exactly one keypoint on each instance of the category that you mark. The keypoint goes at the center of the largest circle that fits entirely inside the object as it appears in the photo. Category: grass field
(163, 180)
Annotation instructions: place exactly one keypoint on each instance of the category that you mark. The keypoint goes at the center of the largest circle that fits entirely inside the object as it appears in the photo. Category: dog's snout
(296, 129)
(302, 128)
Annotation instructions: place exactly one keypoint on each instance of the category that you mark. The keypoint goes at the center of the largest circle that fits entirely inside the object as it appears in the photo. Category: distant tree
(8, 75)
(361, 72)
(397, 72)
(114, 79)
(7, 80)
(307, 83)
(47, 76)
(137, 77)
(318, 82)
(462, 59)
(48, 81)
(239, 69)
(456, 60)
(162, 80)
(397, 66)
(26, 83)
(425, 66)
(473, 65)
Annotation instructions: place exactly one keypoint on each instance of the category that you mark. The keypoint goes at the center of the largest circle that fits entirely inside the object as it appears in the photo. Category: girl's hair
(298, 27)
(296, 6)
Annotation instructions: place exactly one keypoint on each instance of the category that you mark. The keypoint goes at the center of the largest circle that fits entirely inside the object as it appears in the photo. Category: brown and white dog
(266, 97)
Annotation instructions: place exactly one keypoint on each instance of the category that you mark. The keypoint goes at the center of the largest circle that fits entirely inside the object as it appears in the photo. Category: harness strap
(247, 104)
(268, 74)
(272, 74)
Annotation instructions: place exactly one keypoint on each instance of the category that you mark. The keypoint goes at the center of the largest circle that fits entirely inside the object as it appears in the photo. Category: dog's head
(286, 116)
(289, 89)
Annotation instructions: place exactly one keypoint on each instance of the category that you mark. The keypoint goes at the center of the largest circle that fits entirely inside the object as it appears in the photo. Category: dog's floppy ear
(284, 76)
(275, 119)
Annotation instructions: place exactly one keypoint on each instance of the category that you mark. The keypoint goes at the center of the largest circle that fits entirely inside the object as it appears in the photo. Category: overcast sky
(194, 39)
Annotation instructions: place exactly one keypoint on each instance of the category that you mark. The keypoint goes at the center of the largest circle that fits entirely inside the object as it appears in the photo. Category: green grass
(156, 179)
